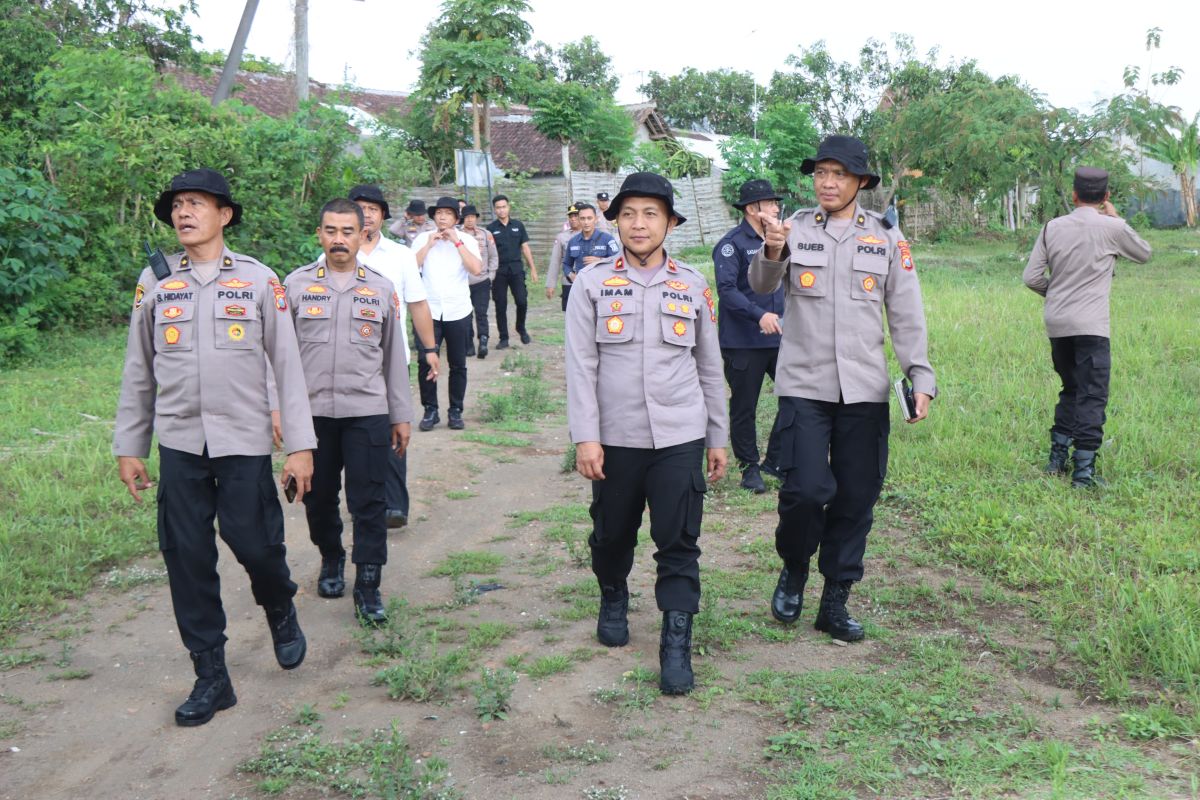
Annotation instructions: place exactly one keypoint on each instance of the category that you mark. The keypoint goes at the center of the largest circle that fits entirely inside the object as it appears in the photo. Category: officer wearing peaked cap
(195, 374)
(646, 407)
(749, 329)
(555, 276)
(1072, 267)
(842, 266)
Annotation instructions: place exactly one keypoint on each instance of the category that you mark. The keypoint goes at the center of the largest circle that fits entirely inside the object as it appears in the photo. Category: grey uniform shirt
(643, 364)
(837, 292)
(351, 343)
(195, 364)
(555, 276)
(1072, 267)
(488, 254)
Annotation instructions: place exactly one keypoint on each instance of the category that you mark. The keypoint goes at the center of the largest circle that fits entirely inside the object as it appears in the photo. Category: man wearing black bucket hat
(199, 340)
(1072, 267)
(749, 329)
(646, 408)
(415, 222)
(842, 266)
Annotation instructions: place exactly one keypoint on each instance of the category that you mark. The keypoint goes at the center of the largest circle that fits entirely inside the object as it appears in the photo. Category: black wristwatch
(426, 350)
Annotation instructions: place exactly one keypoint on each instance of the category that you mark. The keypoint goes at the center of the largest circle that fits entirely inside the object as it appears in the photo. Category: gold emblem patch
(366, 291)
(679, 328)
(870, 239)
(616, 280)
(315, 311)
(869, 283)
(175, 284)
(234, 283)
(615, 325)
(172, 312)
(237, 332)
(235, 311)
(807, 280)
(678, 286)
(671, 307)
(365, 331)
(171, 335)
(616, 305)
(139, 294)
(316, 288)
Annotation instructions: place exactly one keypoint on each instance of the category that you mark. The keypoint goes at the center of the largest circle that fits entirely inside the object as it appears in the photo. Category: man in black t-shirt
(512, 242)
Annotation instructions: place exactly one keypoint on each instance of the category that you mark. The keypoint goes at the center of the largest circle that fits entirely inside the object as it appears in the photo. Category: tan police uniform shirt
(837, 291)
(1072, 267)
(643, 364)
(408, 230)
(488, 254)
(351, 343)
(195, 364)
(554, 273)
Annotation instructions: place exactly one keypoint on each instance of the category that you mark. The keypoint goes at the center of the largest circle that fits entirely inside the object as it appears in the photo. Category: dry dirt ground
(111, 734)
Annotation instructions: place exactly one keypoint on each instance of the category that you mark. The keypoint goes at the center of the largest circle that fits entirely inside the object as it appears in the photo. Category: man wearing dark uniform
(584, 248)
(749, 330)
(646, 408)
(1072, 267)
(347, 319)
(842, 266)
(512, 244)
(195, 374)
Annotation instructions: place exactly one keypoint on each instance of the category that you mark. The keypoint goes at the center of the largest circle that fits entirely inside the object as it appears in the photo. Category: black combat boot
(290, 644)
(612, 626)
(482, 347)
(1060, 447)
(675, 653)
(332, 582)
(752, 479)
(368, 603)
(430, 419)
(789, 595)
(1084, 475)
(212, 692)
(833, 618)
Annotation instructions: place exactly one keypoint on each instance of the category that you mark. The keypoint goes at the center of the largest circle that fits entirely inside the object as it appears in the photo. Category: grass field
(1114, 575)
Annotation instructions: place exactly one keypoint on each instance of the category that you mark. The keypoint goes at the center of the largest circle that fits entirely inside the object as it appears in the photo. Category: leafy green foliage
(493, 693)
(583, 63)
(668, 157)
(720, 100)
(788, 136)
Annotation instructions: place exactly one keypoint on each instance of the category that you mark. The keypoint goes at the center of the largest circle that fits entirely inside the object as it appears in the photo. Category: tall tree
(560, 113)
(583, 62)
(721, 101)
(472, 54)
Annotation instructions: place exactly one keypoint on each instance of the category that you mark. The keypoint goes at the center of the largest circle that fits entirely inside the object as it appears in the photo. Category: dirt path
(591, 730)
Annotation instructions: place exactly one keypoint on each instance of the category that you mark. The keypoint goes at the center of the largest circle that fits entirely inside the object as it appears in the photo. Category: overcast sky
(1072, 52)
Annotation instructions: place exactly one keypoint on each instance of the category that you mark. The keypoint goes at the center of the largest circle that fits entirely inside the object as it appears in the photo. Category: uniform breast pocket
(313, 323)
(870, 272)
(614, 320)
(367, 325)
(808, 275)
(678, 321)
(174, 328)
(236, 325)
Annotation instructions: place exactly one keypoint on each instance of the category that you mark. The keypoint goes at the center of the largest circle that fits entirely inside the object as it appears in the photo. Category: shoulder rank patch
(366, 291)
(227, 261)
(316, 288)
(616, 280)
(139, 294)
(860, 219)
(870, 239)
(619, 264)
(362, 272)
(175, 284)
(678, 286)
(234, 283)
(906, 259)
(672, 266)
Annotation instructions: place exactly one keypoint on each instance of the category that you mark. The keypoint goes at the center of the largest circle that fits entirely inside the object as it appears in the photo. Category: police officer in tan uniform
(415, 222)
(481, 284)
(646, 407)
(603, 200)
(347, 319)
(195, 373)
(1072, 267)
(842, 266)
(554, 276)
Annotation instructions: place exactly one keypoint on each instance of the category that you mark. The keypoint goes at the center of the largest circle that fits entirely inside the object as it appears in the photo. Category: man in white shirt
(447, 260)
(396, 263)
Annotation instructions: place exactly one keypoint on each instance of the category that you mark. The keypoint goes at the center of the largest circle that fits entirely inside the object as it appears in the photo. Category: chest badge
(235, 311)
(171, 335)
(366, 291)
(616, 306)
(678, 286)
(173, 312)
(234, 283)
(616, 280)
(679, 328)
(869, 239)
(316, 288)
(314, 311)
(615, 325)
(237, 332)
(807, 280)
(175, 284)
(869, 283)
(365, 331)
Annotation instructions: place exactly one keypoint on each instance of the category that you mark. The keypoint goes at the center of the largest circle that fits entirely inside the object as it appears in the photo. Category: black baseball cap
(602, 196)
(371, 193)
(204, 180)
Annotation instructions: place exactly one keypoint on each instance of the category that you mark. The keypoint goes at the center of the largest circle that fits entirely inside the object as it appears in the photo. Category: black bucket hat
(848, 151)
(204, 180)
(645, 184)
(372, 194)
(417, 207)
(754, 191)
(469, 210)
(448, 203)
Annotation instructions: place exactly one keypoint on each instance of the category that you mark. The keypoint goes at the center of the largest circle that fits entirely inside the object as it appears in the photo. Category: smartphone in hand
(289, 489)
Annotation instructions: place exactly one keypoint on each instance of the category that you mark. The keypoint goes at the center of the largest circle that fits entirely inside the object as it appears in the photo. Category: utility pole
(225, 85)
(301, 51)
